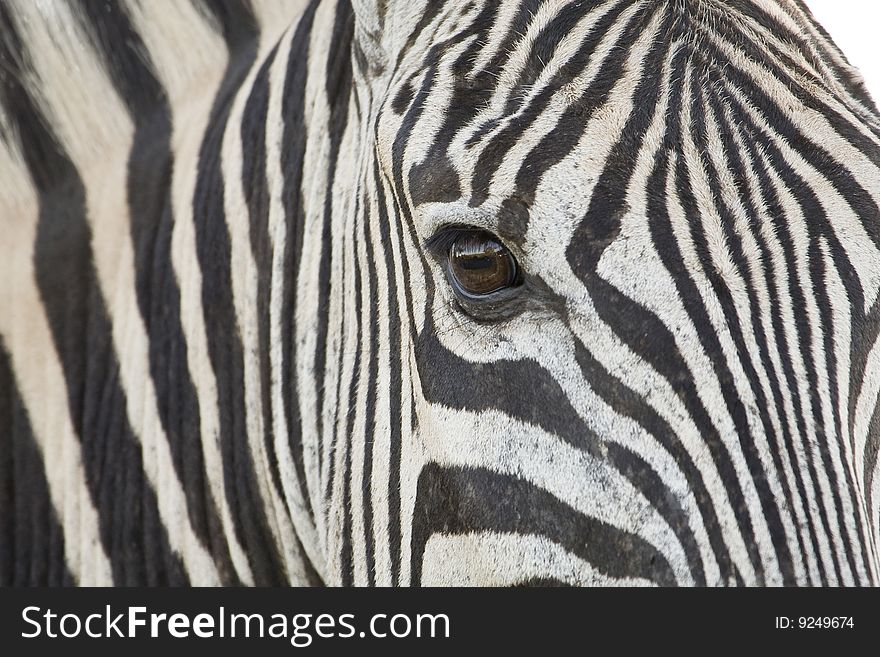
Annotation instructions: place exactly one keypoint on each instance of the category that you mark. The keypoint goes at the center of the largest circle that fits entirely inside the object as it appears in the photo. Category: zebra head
(436, 292)
(613, 297)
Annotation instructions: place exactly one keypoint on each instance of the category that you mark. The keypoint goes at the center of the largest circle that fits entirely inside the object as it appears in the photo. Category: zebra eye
(480, 265)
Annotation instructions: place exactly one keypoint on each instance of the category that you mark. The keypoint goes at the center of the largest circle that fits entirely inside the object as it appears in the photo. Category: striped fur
(230, 354)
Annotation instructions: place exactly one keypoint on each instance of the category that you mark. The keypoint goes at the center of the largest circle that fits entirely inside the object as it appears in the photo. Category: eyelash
(441, 241)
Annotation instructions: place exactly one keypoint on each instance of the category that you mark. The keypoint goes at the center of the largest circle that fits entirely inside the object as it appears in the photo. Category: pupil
(476, 262)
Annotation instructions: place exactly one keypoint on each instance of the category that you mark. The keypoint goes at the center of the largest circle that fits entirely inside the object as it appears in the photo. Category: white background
(855, 27)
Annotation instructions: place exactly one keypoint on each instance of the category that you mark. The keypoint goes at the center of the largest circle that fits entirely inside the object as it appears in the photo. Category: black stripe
(31, 538)
(628, 404)
(395, 388)
(872, 453)
(430, 12)
(347, 538)
(573, 121)
(236, 21)
(292, 164)
(601, 223)
(818, 225)
(434, 179)
(370, 410)
(453, 501)
(769, 508)
(131, 531)
(777, 443)
(256, 193)
(866, 336)
(522, 389)
(543, 48)
(777, 217)
(338, 89)
(224, 345)
(150, 163)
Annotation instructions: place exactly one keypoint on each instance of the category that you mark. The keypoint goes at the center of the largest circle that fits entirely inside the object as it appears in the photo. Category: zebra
(426, 292)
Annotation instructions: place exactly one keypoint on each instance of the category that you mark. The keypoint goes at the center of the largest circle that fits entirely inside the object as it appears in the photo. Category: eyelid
(435, 218)
(441, 241)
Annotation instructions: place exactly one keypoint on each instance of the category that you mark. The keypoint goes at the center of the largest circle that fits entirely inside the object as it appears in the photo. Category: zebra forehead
(505, 70)
(511, 44)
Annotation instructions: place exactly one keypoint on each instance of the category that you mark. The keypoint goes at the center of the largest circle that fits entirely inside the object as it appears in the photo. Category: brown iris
(480, 264)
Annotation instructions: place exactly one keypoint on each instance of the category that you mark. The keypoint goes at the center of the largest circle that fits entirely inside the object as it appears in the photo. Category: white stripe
(275, 181)
(276, 17)
(840, 320)
(191, 83)
(245, 292)
(339, 444)
(40, 379)
(587, 483)
(98, 146)
(313, 188)
(785, 313)
(485, 559)
(818, 132)
(505, 176)
(379, 480)
(796, 223)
